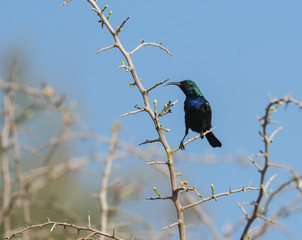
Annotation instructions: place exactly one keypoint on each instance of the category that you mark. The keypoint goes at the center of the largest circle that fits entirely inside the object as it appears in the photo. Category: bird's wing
(198, 115)
(205, 112)
(208, 108)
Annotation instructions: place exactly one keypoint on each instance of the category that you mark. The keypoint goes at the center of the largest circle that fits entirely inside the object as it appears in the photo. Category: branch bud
(155, 102)
(213, 193)
(168, 155)
(154, 188)
(109, 15)
(104, 8)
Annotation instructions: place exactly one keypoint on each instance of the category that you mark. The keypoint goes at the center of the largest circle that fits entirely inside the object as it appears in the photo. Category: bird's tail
(213, 141)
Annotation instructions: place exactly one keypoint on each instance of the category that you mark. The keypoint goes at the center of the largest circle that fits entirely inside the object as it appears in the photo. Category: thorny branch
(150, 44)
(265, 121)
(54, 224)
(152, 114)
(123, 23)
(220, 195)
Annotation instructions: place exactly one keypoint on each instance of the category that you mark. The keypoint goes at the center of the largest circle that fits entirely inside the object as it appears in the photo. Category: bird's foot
(202, 135)
(182, 146)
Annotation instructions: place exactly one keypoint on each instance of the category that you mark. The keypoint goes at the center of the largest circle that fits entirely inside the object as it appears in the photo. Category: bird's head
(189, 88)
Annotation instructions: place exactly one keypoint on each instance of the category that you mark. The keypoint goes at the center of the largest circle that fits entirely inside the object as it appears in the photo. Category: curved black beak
(172, 83)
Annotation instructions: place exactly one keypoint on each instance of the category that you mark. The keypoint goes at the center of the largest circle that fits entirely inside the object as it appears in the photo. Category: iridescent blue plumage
(195, 102)
(198, 113)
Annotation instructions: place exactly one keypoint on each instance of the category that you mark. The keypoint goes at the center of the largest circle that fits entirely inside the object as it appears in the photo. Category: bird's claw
(182, 146)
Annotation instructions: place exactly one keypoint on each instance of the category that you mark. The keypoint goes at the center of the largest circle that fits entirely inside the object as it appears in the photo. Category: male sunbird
(198, 113)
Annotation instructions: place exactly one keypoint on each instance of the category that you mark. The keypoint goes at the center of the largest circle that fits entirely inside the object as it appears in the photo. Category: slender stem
(5, 139)
(105, 181)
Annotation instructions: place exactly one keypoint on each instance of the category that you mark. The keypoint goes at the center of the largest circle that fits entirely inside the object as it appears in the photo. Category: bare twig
(170, 226)
(289, 169)
(243, 210)
(64, 3)
(274, 133)
(255, 164)
(158, 198)
(133, 112)
(156, 162)
(220, 195)
(104, 49)
(269, 182)
(272, 221)
(149, 141)
(157, 84)
(150, 44)
(123, 23)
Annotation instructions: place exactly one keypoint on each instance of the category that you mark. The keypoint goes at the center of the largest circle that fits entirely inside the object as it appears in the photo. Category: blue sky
(236, 51)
